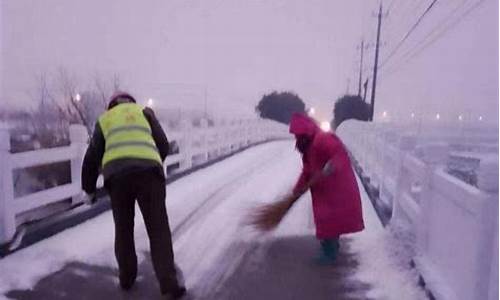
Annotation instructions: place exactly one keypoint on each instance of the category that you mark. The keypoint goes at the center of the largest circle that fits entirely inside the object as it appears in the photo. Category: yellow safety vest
(127, 134)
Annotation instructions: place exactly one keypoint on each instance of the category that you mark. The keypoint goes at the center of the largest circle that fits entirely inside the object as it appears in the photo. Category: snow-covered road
(220, 257)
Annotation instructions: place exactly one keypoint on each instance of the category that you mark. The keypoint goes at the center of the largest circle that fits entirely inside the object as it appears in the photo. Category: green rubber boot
(328, 253)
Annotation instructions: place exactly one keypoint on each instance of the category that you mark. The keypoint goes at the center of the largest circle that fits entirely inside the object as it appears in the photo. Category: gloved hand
(328, 168)
(88, 199)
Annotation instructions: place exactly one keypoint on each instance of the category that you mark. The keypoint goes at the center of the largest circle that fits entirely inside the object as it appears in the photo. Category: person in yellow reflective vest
(128, 147)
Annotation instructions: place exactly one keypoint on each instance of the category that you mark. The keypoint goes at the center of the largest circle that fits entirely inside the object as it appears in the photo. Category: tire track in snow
(218, 196)
(220, 230)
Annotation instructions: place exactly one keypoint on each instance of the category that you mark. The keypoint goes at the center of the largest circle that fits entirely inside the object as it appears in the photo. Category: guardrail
(453, 225)
(196, 146)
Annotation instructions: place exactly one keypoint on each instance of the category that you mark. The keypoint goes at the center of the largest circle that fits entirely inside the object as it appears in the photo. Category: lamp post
(325, 126)
(311, 111)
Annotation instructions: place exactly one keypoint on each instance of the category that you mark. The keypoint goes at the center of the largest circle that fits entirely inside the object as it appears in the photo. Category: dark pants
(149, 190)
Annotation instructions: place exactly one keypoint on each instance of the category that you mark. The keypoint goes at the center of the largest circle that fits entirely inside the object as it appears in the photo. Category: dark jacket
(95, 152)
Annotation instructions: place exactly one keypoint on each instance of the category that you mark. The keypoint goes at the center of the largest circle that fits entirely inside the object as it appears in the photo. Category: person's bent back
(129, 146)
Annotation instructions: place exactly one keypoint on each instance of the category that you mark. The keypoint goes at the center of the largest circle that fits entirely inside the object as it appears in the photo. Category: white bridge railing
(196, 146)
(454, 225)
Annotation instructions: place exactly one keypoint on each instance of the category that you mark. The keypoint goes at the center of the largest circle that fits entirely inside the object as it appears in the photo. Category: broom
(267, 216)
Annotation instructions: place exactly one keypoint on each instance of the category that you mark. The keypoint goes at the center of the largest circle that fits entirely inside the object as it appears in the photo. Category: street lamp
(480, 118)
(412, 115)
(438, 116)
(78, 97)
(460, 118)
(312, 111)
(384, 114)
(325, 126)
(150, 102)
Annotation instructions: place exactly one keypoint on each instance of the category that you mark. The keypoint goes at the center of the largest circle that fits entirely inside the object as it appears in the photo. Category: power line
(446, 29)
(418, 4)
(395, 6)
(448, 25)
(438, 27)
(405, 12)
(435, 29)
(405, 8)
(391, 6)
(408, 34)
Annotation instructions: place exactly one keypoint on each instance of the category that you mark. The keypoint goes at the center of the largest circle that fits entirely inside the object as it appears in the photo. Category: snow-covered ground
(207, 212)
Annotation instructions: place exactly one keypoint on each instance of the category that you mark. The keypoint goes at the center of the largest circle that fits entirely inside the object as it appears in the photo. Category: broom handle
(294, 197)
(312, 181)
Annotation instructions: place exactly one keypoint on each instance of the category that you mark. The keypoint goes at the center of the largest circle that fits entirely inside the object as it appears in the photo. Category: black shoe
(127, 285)
(176, 294)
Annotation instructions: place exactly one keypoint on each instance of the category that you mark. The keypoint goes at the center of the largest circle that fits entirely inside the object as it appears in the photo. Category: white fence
(197, 145)
(454, 225)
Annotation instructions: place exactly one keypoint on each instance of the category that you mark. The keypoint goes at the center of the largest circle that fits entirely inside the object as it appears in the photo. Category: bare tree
(105, 89)
(48, 120)
(88, 104)
(62, 101)
(68, 89)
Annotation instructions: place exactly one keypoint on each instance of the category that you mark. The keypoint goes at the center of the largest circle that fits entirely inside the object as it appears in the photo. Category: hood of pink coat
(302, 124)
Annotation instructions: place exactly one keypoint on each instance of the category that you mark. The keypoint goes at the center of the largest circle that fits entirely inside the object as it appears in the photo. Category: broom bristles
(268, 216)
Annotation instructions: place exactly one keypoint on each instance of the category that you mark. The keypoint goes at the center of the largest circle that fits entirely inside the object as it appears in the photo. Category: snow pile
(384, 258)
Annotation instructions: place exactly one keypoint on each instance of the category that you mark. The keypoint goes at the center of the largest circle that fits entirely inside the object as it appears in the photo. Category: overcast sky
(238, 50)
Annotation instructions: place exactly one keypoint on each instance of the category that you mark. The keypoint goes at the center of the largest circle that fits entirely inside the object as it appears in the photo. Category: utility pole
(365, 86)
(361, 67)
(374, 81)
(206, 100)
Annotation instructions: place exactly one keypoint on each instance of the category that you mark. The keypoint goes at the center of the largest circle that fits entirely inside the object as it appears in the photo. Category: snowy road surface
(220, 257)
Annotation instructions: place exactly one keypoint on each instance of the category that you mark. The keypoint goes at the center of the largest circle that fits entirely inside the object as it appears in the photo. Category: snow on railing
(196, 146)
(453, 225)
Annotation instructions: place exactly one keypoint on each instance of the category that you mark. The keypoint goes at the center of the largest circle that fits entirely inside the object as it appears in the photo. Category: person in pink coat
(335, 195)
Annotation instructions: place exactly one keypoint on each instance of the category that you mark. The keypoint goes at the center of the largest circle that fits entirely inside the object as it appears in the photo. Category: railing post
(226, 130)
(405, 145)
(254, 131)
(78, 137)
(233, 129)
(187, 144)
(216, 137)
(487, 177)
(204, 139)
(7, 214)
(220, 137)
(241, 133)
(487, 280)
(433, 155)
(248, 131)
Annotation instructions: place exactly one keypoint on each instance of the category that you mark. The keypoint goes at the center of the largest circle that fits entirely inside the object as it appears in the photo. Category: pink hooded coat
(335, 198)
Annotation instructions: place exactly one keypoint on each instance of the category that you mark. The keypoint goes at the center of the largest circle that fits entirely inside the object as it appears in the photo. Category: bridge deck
(219, 256)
